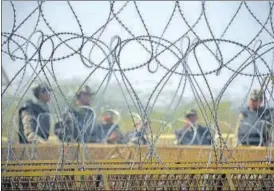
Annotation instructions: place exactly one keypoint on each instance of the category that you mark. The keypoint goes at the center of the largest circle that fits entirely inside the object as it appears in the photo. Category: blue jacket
(251, 129)
(188, 136)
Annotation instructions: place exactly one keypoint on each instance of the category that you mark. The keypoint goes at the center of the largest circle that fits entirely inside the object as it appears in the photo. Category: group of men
(255, 125)
(78, 123)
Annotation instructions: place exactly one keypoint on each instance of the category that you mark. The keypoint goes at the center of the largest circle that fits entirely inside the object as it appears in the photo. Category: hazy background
(71, 72)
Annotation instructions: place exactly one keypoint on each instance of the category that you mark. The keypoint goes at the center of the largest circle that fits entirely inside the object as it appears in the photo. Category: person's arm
(267, 131)
(178, 135)
(59, 130)
(238, 135)
(119, 134)
(68, 125)
(30, 125)
(268, 126)
(116, 135)
(64, 128)
(94, 136)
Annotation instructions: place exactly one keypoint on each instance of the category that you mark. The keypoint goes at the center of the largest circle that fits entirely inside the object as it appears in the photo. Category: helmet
(86, 90)
(256, 95)
(190, 112)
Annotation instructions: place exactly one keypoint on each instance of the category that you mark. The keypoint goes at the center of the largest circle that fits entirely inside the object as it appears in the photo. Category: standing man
(193, 133)
(34, 119)
(78, 121)
(251, 130)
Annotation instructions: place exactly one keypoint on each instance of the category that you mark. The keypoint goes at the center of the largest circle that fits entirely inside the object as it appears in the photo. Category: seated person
(77, 122)
(107, 131)
(193, 133)
(204, 135)
(251, 128)
(137, 136)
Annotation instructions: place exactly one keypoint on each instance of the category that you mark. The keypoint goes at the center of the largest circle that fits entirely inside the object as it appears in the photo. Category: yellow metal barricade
(169, 139)
(133, 166)
(190, 179)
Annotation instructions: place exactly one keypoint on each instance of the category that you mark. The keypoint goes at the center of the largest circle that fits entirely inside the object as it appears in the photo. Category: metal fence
(202, 50)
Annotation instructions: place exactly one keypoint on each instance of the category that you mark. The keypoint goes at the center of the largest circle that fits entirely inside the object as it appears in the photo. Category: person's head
(42, 93)
(191, 115)
(108, 117)
(255, 99)
(137, 123)
(84, 96)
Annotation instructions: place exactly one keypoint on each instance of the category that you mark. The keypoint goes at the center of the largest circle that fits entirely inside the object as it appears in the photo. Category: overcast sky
(92, 15)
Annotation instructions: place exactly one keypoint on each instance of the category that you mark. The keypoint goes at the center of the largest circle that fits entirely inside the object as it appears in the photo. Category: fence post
(106, 185)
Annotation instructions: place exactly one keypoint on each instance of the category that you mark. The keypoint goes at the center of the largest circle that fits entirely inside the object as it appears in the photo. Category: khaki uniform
(32, 114)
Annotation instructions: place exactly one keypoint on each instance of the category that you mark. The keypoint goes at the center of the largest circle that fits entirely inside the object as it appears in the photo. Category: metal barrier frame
(227, 175)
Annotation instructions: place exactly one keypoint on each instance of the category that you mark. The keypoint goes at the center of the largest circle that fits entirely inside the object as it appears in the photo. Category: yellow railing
(181, 179)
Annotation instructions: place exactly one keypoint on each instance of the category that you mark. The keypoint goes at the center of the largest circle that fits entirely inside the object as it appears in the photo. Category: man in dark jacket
(251, 127)
(34, 119)
(77, 122)
(193, 133)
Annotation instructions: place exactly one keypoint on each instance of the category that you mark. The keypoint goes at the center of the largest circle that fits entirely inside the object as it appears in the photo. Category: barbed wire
(16, 46)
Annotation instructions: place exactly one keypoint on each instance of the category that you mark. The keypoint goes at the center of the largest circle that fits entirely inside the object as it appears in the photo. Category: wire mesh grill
(198, 179)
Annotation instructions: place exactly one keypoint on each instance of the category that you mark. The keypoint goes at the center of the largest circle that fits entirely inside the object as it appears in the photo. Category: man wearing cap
(193, 133)
(34, 119)
(250, 128)
(77, 122)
